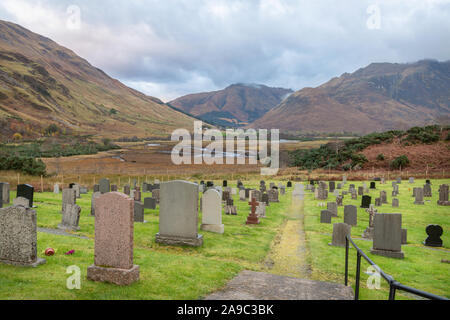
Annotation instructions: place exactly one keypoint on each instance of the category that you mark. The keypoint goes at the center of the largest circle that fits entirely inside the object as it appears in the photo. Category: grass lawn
(421, 268)
(167, 272)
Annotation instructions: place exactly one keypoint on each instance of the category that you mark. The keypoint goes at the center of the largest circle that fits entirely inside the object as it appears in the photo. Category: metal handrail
(393, 284)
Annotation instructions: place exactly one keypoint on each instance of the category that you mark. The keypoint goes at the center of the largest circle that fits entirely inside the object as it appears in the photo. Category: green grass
(421, 268)
(167, 272)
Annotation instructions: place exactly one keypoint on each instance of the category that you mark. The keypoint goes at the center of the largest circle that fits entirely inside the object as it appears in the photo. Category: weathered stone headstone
(26, 191)
(273, 195)
(377, 202)
(212, 212)
(113, 188)
(126, 190)
(76, 187)
(18, 237)
(95, 196)
(404, 236)
(225, 195)
(340, 231)
(360, 191)
(68, 198)
(333, 208)
(325, 216)
(383, 196)
(83, 190)
(350, 215)
(156, 195)
(411, 180)
(399, 180)
(230, 208)
(265, 199)
(70, 217)
(443, 195)
(427, 190)
(178, 214)
(138, 212)
(283, 190)
(56, 188)
(104, 186)
(113, 258)
(339, 200)
(5, 192)
(387, 238)
(149, 203)
(96, 188)
(395, 202)
(365, 201)
(331, 186)
(354, 195)
(242, 195)
(21, 201)
(419, 196)
(261, 210)
(434, 233)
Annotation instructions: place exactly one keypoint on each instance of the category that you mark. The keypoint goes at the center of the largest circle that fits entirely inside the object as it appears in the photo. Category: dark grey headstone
(138, 211)
(104, 186)
(149, 203)
(365, 201)
(351, 215)
(26, 191)
(434, 233)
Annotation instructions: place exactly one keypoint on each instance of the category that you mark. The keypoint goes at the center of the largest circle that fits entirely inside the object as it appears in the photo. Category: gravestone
(255, 194)
(283, 190)
(21, 201)
(1, 197)
(18, 237)
(126, 190)
(94, 198)
(70, 217)
(340, 231)
(434, 233)
(372, 185)
(377, 202)
(138, 211)
(212, 212)
(399, 180)
(71, 185)
(331, 186)
(137, 195)
(404, 236)
(113, 255)
(225, 183)
(427, 190)
(333, 208)
(354, 195)
(113, 188)
(368, 232)
(83, 190)
(350, 215)
(225, 195)
(339, 200)
(383, 196)
(253, 217)
(273, 195)
(395, 202)
(387, 238)
(419, 196)
(230, 208)
(339, 186)
(26, 191)
(96, 188)
(325, 216)
(56, 188)
(5, 192)
(178, 214)
(289, 184)
(336, 192)
(76, 187)
(265, 199)
(443, 195)
(428, 181)
(247, 193)
(365, 201)
(242, 195)
(104, 186)
(261, 210)
(411, 180)
(149, 203)
(68, 198)
(360, 191)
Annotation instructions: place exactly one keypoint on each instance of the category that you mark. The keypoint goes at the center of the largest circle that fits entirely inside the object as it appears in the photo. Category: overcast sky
(169, 48)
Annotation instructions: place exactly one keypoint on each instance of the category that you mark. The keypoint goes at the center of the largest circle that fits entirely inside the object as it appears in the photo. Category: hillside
(236, 105)
(380, 97)
(42, 83)
(416, 149)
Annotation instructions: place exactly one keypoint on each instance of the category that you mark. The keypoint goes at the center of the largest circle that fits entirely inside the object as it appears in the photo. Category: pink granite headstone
(113, 262)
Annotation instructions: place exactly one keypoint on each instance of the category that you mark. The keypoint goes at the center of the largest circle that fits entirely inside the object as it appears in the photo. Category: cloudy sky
(168, 48)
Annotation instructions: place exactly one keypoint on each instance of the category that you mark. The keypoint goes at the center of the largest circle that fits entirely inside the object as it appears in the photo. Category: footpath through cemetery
(227, 239)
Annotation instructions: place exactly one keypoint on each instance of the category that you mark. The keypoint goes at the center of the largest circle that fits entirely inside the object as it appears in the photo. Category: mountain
(43, 83)
(379, 97)
(236, 105)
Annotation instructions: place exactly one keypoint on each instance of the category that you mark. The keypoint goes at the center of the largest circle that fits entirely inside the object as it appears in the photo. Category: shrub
(400, 162)
(380, 157)
(27, 165)
(17, 136)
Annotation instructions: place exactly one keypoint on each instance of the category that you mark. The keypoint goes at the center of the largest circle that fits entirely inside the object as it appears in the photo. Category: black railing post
(346, 261)
(358, 272)
(391, 291)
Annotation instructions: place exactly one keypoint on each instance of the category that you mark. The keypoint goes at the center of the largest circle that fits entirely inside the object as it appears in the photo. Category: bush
(27, 165)
(380, 157)
(400, 162)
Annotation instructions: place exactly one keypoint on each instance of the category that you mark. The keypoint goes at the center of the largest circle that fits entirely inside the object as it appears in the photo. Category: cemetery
(190, 244)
